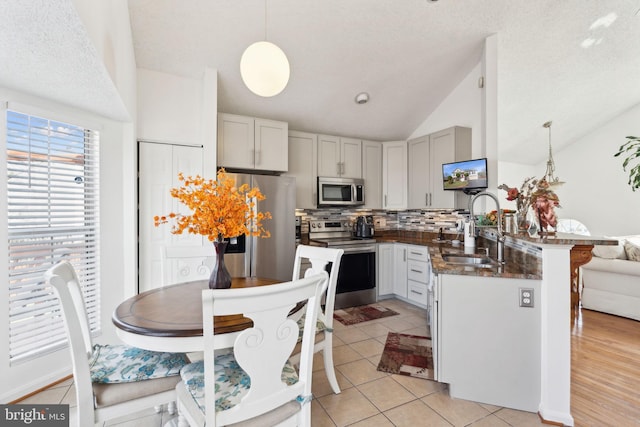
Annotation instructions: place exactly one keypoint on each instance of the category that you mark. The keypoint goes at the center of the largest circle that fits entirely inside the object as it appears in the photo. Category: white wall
(179, 110)
(461, 108)
(596, 192)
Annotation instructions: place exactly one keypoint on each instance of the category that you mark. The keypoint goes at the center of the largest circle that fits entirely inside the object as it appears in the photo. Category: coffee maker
(364, 227)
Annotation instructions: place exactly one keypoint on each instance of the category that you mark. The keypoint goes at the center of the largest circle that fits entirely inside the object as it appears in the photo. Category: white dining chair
(186, 263)
(110, 380)
(319, 257)
(253, 383)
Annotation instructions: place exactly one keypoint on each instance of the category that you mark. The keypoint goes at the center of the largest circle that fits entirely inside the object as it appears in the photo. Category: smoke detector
(362, 98)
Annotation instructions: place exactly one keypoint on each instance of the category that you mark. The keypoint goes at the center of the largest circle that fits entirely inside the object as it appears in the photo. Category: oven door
(357, 277)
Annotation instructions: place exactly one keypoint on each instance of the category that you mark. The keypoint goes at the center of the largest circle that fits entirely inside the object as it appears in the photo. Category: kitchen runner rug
(407, 355)
(362, 313)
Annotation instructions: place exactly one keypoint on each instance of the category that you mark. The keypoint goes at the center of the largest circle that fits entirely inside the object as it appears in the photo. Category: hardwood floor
(605, 370)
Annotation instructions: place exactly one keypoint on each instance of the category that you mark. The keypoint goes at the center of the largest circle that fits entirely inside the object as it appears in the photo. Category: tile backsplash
(418, 219)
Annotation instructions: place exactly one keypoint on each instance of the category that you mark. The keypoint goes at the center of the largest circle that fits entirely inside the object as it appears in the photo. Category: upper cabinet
(426, 155)
(372, 174)
(252, 143)
(303, 165)
(394, 175)
(339, 157)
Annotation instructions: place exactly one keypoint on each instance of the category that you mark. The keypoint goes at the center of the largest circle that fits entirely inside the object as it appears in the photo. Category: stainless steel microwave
(340, 191)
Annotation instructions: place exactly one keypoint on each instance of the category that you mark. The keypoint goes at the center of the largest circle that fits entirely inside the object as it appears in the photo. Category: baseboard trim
(26, 396)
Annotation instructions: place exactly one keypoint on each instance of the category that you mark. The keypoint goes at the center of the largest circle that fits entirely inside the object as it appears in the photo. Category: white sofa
(611, 280)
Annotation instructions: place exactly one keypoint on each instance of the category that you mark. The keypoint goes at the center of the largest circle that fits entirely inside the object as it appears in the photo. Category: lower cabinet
(404, 271)
(385, 266)
(400, 270)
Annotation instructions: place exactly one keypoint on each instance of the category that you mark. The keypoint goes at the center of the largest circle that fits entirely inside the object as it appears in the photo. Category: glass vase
(522, 221)
(220, 277)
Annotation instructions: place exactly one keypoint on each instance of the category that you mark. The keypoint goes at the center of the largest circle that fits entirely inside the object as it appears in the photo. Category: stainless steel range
(357, 275)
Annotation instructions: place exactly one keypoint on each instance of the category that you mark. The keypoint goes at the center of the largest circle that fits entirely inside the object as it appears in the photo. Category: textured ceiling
(574, 62)
(45, 51)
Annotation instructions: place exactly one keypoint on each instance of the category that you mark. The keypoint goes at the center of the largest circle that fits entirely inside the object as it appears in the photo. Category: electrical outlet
(526, 297)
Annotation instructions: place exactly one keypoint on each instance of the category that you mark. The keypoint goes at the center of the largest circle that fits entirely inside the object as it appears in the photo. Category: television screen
(465, 175)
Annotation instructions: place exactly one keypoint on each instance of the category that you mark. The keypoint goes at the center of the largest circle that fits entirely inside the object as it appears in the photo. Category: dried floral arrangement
(219, 209)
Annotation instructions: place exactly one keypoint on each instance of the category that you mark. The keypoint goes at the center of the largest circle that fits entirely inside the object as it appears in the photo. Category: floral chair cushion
(232, 382)
(320, 326)
(122, 364)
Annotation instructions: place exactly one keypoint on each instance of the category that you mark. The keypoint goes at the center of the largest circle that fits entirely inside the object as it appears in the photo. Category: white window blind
(53, 214)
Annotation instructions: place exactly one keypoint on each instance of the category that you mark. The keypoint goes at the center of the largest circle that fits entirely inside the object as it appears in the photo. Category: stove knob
(313, 225)
(319, 225)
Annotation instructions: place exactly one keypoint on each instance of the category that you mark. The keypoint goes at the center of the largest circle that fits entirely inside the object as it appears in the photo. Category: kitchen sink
(469, 260)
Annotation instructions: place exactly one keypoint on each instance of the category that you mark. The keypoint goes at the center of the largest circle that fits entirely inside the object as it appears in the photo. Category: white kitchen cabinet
(339, 157)
(372, 174)
(400, 270)
(386, 269)
(394, 175)
(489, 346)
(426, 155)
(252, 143)
(418, 274)
(303, 165)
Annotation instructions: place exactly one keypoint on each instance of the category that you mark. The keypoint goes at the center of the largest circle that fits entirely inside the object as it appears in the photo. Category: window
(53, 214)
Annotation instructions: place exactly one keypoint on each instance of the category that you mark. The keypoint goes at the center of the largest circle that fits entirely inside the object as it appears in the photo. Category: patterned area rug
(407, 355)
(362, 313)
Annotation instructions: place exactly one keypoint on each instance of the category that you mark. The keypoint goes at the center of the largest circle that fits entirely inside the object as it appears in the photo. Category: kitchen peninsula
(490, 347)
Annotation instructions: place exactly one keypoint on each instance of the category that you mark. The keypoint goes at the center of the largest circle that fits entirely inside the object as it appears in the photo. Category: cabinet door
(372, 174)
(394, 175)
(443, 150)
(158, 173)
(303, 165)
(235, 141)
(328, 156)
(350, 158)
(386, 270)
(271, 145)
(419, 168)
(400, 270)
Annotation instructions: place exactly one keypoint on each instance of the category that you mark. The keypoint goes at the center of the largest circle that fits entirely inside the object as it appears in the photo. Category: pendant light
(551, 167)
(264, 67)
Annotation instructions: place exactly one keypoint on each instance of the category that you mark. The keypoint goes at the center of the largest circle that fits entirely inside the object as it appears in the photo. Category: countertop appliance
(364, 226)
(357, 275)
(340, 191)
(270, 258)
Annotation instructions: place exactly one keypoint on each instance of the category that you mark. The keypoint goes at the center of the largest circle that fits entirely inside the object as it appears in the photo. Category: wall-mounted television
(469, 176)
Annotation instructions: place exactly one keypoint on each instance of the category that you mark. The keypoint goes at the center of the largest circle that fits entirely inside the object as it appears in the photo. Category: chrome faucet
(501, 238)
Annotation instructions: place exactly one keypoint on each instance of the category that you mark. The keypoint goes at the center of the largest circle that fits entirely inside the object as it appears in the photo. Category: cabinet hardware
(416, 271)
(426, 199)
(416, 292)
(338, 168)
(404, 255)
(385, 200)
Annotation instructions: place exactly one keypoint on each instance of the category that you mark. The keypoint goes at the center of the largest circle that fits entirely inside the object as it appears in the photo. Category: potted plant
(632, 149)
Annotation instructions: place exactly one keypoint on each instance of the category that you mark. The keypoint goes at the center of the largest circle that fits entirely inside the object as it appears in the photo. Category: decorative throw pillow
(123, 363)
(633, 251)
(610, 252)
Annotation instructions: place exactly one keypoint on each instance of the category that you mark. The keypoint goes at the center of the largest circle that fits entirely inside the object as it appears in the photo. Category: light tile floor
(369, 398)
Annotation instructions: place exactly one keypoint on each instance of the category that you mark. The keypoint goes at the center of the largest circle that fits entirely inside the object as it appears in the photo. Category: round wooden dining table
(170, 318)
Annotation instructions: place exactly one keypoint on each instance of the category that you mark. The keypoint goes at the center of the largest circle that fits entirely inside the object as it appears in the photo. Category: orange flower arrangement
(219, 208)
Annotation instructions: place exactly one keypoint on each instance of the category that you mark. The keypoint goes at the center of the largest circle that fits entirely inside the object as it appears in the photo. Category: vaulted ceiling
(574, 62)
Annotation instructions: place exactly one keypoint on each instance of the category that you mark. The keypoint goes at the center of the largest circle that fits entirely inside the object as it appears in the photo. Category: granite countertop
(518, 264)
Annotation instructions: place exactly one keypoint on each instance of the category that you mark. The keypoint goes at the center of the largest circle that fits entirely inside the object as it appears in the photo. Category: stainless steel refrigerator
(270, 258)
